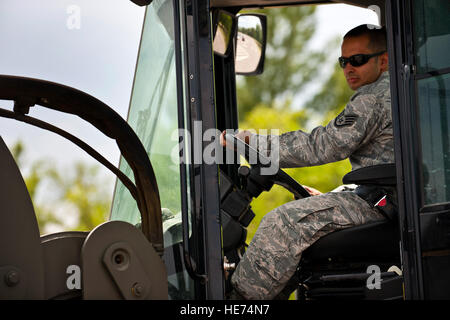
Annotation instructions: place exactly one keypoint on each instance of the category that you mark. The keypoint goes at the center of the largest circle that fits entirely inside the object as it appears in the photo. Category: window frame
(418, 227)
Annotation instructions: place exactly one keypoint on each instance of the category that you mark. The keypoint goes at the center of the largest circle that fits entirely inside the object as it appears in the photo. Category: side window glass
(434, 103)
(432, 44)
(432, 34)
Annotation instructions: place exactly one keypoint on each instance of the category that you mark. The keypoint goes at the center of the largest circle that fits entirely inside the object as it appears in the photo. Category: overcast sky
(41, 39)
(96, 54)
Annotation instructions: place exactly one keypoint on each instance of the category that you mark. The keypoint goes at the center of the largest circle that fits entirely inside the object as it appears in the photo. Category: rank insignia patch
(345, 119)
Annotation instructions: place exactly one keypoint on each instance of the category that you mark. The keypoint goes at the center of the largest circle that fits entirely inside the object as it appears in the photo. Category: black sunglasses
(358, 60)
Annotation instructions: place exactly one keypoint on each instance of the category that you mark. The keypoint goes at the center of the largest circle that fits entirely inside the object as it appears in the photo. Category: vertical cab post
(202, 109)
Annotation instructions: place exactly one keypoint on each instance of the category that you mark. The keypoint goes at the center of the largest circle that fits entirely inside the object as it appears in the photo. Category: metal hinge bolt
(12, 278)
(137, 289)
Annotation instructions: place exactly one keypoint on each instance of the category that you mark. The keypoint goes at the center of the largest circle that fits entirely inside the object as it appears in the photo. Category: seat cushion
(365, 242)
(381, 174)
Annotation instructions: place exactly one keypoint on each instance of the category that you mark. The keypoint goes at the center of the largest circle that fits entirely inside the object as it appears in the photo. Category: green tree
(289, 65)
(79, 191)
(83, 190)
(33, 180)
(333, 96)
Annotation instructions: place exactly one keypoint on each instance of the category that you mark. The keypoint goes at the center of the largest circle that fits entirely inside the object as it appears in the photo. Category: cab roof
(270, 3)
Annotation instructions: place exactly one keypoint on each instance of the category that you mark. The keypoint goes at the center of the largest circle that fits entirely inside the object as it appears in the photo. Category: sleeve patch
(343, 120)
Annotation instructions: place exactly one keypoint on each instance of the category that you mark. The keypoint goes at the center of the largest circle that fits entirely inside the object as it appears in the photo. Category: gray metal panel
(118, 262)
(21, 257)
(62, 252)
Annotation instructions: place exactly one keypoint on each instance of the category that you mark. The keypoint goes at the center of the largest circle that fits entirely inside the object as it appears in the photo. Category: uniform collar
(371, 87)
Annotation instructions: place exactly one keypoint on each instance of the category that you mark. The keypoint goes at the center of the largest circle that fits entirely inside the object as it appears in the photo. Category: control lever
(243, 173)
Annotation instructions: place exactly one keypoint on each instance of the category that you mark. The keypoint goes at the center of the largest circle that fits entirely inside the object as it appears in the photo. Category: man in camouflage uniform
(362, 132)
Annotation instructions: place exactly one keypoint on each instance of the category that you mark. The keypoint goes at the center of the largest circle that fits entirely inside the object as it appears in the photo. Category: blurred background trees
(75, 198)
(289, 63)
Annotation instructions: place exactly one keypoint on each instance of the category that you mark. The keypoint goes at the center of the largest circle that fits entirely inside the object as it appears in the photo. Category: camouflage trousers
(284, 233)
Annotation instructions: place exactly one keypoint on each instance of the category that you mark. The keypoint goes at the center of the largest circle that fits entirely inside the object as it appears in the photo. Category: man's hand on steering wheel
(281, 178)
(312, 191)
(242, 135)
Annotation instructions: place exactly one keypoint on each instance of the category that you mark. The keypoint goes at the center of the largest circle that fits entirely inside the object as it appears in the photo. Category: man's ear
(384, 61)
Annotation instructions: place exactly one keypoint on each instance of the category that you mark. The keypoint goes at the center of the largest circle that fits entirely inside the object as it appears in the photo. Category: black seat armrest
(381, 174)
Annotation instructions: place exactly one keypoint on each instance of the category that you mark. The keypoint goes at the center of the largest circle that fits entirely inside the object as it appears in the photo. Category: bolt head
(137, 290)
(12, 278)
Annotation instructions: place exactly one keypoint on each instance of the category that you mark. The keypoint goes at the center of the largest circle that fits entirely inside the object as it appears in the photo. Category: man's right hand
(312, 191)
(242, 135)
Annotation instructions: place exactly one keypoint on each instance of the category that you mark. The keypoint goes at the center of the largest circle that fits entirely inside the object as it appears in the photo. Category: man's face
(367, 73)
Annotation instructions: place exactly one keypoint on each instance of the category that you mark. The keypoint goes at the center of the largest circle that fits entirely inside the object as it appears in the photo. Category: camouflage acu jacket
(362, 132)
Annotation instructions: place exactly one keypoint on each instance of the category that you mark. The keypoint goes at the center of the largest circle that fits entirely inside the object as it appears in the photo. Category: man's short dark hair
(377, 36)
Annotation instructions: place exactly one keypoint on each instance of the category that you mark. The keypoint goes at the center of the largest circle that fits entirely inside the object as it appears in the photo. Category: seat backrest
(381, 174)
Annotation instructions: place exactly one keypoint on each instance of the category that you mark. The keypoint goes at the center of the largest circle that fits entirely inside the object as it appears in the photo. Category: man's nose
(348, 68)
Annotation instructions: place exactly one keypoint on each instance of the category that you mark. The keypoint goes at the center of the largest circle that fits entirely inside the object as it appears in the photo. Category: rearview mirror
(250, 44)
(224, 28)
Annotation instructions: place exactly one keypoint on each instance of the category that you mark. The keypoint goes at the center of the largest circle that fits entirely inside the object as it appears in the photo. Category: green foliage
(264, 116)
(81, 190)
(17, 152)
(78, 192)
(334, 94)
(288, 32)
(168, 178)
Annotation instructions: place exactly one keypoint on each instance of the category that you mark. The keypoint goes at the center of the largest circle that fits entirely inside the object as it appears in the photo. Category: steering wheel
(280, 177)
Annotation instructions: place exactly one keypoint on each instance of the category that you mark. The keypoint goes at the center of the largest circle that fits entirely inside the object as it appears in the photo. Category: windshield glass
(153, 115)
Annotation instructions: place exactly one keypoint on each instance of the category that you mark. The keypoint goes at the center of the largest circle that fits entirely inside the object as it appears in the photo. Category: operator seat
(345, 255)
(377, 239)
